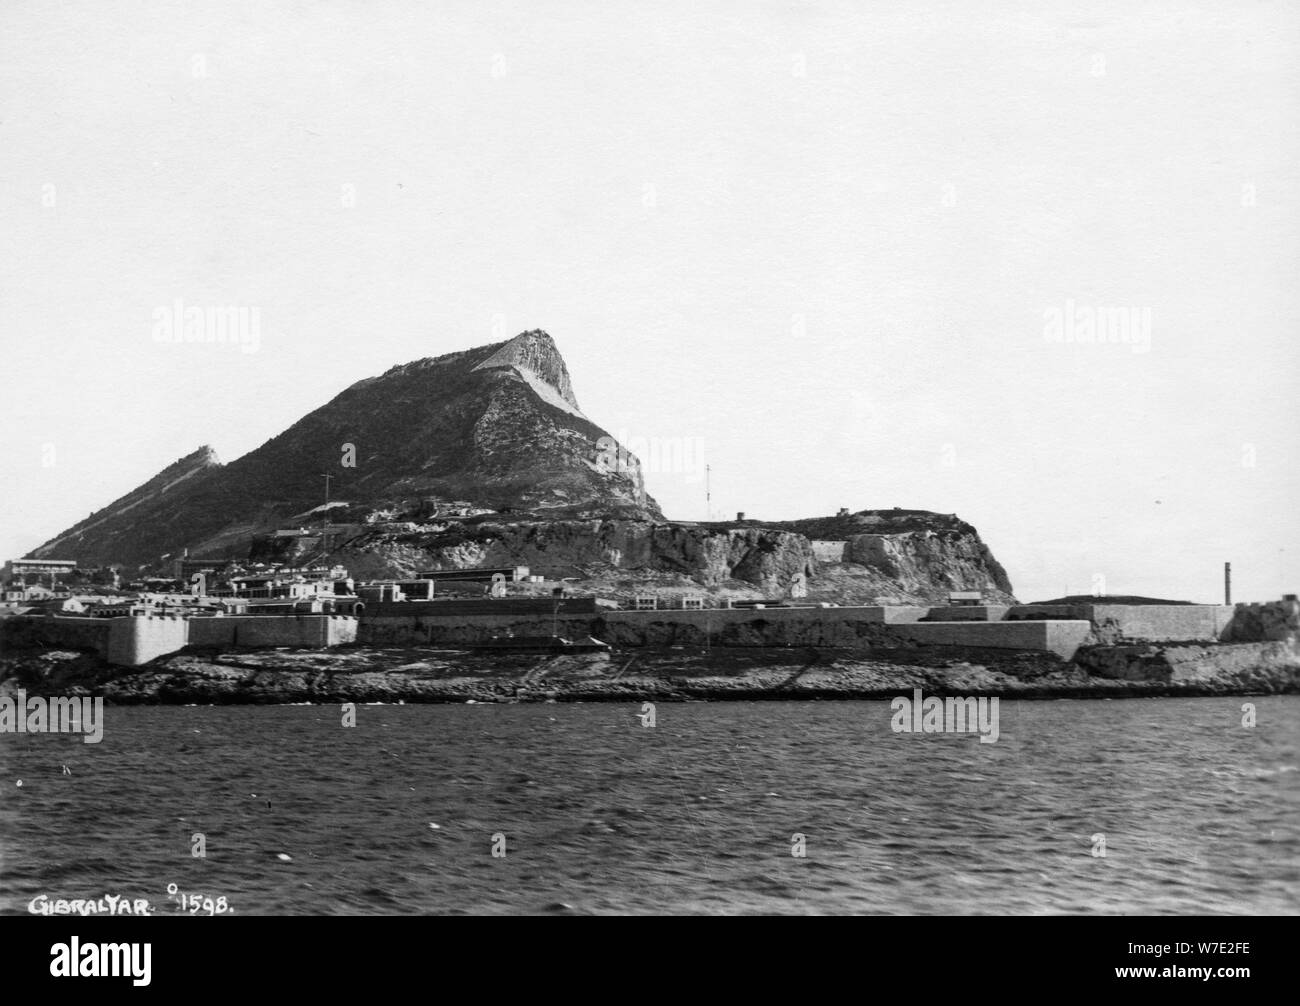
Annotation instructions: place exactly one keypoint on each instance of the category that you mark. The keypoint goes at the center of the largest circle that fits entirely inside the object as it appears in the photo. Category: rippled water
(695, 814)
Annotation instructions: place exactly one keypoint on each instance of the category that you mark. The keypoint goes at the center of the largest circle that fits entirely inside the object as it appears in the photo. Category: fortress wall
(341, 630)
(969, 613)
(743, 628)
(137, 640)
(505, 607)
(23, 631)
(875, 613)
(1166, 622)
(216, 632)
(1031, 612)
(133, 640)
(764, 627)
(1114, 623)
(1060, 637)
(400, 624)
(406, 630)
(839, 627)
(314, 631)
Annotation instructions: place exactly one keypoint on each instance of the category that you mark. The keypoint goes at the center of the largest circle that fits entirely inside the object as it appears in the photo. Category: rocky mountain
(497, 427)
(597, 552)
(484, 458)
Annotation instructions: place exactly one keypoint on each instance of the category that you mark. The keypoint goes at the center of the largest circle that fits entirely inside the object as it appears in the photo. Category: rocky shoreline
(680, 673)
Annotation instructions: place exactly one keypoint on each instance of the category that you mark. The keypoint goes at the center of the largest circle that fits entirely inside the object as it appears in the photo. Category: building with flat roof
(21, 568)
(478, 574)
(184, 567)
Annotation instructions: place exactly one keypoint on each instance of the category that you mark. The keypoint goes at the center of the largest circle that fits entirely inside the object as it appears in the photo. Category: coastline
(668, 674)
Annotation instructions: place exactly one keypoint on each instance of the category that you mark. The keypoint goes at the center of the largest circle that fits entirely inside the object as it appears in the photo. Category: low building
(416, 590)
(22, 594)
(478, 574)
(21, 569)
(60, 606)
(279, 584)
(397, 590)
(184, 568)
(381, 592)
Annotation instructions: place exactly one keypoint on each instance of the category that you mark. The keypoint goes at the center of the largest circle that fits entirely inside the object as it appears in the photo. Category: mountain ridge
(496, 425)
(484, 457)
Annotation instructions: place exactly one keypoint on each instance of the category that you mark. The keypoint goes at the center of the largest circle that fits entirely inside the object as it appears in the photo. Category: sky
(1033, 264)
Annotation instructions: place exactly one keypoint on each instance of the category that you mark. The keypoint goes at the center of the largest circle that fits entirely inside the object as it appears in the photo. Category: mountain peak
(536, 359)
(496, 426)
(205, 455)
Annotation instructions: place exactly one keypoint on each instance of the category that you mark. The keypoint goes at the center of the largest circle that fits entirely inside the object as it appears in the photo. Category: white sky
(815, 241)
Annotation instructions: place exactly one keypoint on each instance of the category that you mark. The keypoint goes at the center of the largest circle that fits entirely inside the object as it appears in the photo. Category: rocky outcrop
(1272, 620)
(680, 672)
(533, 357)
(896, 556)
(906, 568)
(1225, 668)
(590, 549)
(928, 564)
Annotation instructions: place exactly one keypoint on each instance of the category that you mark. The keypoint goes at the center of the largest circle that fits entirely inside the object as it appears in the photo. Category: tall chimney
(1227, 583)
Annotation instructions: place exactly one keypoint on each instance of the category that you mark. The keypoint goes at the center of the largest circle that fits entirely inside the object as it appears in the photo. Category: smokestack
(1227, 583)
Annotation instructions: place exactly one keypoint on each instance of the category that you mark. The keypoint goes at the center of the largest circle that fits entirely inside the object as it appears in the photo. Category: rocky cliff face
(497, 426)
(616, 556)
(898, 556)
(1271, 620)
(1232, 668)
(600, 549)
(928, 564)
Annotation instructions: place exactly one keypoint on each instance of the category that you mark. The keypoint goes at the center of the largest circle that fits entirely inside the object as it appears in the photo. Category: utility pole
(1227, 583)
